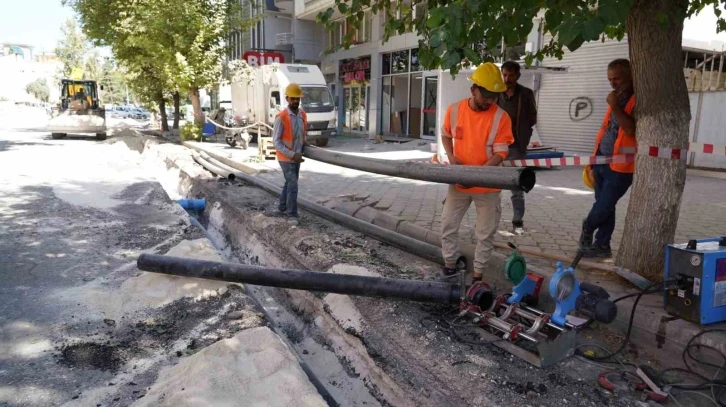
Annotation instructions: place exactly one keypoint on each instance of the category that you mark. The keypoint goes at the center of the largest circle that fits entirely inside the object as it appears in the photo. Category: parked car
(118, 112)
(140, 113)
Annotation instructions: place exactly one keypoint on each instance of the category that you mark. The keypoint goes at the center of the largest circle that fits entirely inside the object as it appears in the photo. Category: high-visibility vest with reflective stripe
(490, 147)
(287, 138)
(624, 143)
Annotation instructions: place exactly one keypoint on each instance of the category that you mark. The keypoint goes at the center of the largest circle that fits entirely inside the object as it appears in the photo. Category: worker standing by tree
(611, 181)
(518, 102)
(475, 132)
(288, 136)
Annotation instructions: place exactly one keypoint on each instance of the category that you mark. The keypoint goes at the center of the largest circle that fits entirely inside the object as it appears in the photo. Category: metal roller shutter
(563, 121)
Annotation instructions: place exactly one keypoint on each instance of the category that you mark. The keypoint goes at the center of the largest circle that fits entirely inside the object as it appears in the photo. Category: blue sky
(33, 22)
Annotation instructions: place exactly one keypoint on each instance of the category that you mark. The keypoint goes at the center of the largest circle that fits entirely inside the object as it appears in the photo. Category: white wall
(17, 73)
(586, 80)
(309, 40)
(707, 126)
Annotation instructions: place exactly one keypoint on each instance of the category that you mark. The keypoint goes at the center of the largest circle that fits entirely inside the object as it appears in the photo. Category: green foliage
(190, 131)
(459, 33)
(113, 80)
(39, 89)
(166, 46)
(72, 48)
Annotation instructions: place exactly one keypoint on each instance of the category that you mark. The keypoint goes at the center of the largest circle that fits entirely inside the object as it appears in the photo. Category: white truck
(262, 97)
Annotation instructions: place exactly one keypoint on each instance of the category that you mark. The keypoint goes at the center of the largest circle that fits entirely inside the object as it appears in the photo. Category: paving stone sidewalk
(554, 209)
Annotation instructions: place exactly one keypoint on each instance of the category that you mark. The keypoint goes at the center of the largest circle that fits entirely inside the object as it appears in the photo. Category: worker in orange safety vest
(475, 132)
(611, 181)
(288, 137)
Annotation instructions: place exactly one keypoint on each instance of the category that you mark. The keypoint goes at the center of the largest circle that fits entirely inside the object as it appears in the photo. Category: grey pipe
(417, 247)
(213, 168)
(512, 178)
(412, 290)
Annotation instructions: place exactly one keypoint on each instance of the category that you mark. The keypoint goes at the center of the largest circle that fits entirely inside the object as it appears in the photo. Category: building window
(403, 110)
(342, 28)
(399, 61)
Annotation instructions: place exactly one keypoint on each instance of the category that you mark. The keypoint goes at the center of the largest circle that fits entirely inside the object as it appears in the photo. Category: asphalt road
(72, 211)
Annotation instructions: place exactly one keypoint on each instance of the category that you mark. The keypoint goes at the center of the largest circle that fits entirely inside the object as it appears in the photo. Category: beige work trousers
(488, 213)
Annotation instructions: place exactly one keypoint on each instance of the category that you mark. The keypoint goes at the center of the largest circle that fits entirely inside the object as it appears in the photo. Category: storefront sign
(356, 70)
(256, 58)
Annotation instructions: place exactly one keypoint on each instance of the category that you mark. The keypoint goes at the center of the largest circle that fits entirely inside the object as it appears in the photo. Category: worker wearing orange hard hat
(475, 132)
(288, 137)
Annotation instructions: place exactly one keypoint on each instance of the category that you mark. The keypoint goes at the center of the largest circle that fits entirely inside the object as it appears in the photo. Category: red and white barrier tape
(660, 152)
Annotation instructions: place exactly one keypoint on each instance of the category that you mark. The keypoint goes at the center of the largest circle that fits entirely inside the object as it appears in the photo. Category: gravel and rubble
(413, 345)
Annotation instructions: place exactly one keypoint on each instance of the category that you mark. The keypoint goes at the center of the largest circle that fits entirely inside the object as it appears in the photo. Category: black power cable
(639, 295)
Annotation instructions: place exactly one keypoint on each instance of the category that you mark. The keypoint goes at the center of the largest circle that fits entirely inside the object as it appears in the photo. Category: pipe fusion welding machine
(699, 269)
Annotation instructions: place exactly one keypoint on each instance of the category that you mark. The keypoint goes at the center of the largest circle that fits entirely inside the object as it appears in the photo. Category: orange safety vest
(476, 156)
(287, 139)
(624, 143)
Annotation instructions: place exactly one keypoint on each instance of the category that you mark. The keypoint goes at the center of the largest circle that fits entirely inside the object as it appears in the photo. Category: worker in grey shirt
(288, 136)
(518, 102)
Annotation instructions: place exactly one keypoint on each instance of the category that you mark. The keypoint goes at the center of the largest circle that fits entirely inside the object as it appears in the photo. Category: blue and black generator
(700, 268)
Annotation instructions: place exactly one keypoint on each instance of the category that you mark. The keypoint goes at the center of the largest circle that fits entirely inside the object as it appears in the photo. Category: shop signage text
(356, 70)
(256, 58)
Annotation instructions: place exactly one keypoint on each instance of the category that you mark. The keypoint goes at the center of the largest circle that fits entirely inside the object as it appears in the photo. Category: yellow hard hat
(587, 177)
(489, 77)
(293, 90)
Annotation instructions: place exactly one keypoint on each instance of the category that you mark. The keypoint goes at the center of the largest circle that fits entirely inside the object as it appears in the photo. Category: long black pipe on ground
(417, 247)
(412, 290)
(512, 178)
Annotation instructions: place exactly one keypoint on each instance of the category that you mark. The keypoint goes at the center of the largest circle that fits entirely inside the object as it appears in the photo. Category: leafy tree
(114, 83)
(39, 89)
(92, 66)
(654, 29)
(183, 53)
(72, 48)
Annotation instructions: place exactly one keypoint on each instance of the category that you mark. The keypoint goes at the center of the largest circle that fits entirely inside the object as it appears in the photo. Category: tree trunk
(176, 110)
(162, 113)
(663, 117)
(197, 105)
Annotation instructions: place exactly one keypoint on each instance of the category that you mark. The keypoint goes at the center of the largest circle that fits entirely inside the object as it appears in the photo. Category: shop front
(355, 75)
(408, 96)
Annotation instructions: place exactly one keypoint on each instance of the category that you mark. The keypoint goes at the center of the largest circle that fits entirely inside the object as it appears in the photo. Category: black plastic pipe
(412, 290)
(511, 178)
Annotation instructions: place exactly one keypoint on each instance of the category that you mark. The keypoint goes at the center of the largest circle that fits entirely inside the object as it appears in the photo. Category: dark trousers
(610, 186)
(288, 197)
(517, 196)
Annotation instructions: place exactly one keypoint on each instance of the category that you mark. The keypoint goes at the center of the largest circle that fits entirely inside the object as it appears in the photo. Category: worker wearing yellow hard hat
(293, 90)
(288, 137)
(475, 132)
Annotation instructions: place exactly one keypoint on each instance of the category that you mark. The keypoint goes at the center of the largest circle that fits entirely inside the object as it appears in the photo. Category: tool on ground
(699, 268)
(538, 337)
(510, 321)
(629, 382)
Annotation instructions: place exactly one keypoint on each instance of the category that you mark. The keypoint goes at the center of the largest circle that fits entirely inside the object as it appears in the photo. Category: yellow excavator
(79, 109)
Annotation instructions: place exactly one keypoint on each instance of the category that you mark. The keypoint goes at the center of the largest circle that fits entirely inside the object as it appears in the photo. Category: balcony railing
(284, 39)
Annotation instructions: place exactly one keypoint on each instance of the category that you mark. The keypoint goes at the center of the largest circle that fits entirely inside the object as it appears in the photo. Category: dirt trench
(389, 353)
